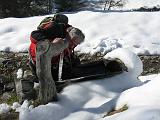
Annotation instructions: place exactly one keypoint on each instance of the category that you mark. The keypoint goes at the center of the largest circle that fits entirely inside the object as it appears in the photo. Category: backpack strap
(60, 66)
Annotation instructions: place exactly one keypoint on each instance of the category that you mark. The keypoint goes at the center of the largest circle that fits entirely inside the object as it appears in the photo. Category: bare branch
(114, 3)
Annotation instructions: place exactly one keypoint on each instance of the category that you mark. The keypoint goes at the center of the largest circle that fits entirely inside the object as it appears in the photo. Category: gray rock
(25, 87)
(1, 85)
(6, 96)
(9, 86)
(1, 61)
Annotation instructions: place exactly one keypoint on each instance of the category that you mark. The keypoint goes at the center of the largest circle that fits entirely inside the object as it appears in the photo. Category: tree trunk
(105, 5)
(44, 53)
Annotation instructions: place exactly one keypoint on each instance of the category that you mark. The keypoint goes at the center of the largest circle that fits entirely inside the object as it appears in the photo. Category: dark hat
(60, 18)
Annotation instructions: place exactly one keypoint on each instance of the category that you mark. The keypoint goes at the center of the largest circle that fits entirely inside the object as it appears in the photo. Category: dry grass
(125, 107)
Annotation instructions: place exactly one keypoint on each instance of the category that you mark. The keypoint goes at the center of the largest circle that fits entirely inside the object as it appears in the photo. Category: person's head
(60, 18)
(76, 37)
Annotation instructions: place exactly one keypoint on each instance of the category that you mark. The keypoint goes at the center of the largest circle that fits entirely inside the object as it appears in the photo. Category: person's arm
(54, 30)
(49, 31)
(38, 35)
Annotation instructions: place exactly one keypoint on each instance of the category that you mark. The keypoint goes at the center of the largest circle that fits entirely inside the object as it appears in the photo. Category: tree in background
(39, 7)
(23, 8)
(114, 3)
(8, 8)
(69, 5)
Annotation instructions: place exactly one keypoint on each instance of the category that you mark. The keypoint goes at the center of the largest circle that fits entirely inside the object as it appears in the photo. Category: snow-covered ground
(137, 31)
(129, 4)
(125, 34)
(141, 3)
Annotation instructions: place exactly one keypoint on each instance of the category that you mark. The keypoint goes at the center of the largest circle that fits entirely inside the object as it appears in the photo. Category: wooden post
(44, 53)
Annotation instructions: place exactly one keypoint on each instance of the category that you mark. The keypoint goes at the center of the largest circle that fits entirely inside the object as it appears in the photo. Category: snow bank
(133, 4)
(143, 102)
(146, 95)
(131, 60)
(136, 31)
(14, 32)
(4, 108)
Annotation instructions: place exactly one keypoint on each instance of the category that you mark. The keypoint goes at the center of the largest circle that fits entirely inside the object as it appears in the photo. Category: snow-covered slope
(141, 3)
(137, 31)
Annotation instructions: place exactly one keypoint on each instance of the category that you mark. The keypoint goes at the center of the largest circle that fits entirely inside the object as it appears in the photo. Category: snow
(108, 30)
(19, 73)
(131, 60)
(141, 3)
(15, 105)
(121, 35)
(4, 108)
(143, 102)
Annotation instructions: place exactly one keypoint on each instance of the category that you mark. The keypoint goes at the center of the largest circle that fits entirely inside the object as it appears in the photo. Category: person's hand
(58, 40)
(74, 42)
